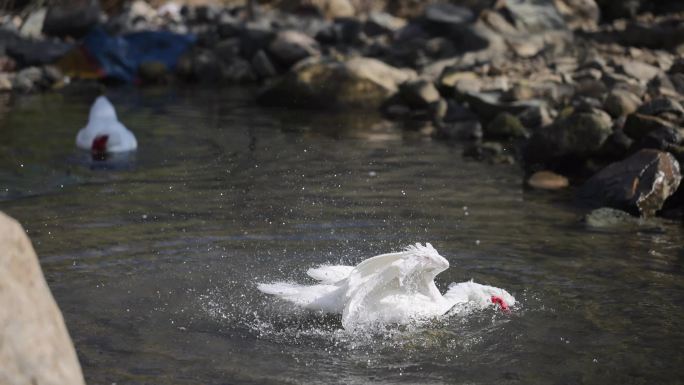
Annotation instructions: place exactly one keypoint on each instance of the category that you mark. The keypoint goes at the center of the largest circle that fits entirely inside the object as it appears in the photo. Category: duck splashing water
(388, 288)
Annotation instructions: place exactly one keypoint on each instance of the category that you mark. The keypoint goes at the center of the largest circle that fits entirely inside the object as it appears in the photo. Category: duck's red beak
(99, 146)
(502, 304)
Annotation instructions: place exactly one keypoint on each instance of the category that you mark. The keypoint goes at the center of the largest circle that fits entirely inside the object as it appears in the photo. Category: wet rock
(263, 66)
(621, 103)
(638, 126)
(445, 13)
(153, 72)
(330, 9)
(662, 139)
(33, 25)
(450, 76)
(606, 217)
(36, 348)
(71, 20)
(237, 70)
(7, 64)
(52, 74)
(5, 82)
(205, 66)
(460, 130)
(616, 146)
(228, 49)
(661, 85)
(358, 82)
(28, 79)
(579, 13)
(505, 126)
(290, 46)
(661, 106)
(638, 184)
(547, 180)
(379, 23)
(577, 136)
(678, 82)
(639, 70)
(536, 117)
(35, 53)
(489, 104)
(255, 35)
(491, 152)
(419, 93)
(534, 16)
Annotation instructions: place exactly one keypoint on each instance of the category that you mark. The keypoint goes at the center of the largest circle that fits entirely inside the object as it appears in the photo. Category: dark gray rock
(489, 104)
(228, 49)
(577, 136)
(36, 53)
(491, 152)
(419, 93)
(639, 70)
(616, 146)
(621, 103)
(28, 79)
(662, 138)
(609, 218)
(639, 184)
(638, 126)
(71, 20)
(291, 46)
(263, 66)
(505, 126)
(237, 71)
(153, 72)
(661, 105)
(445, 13)
(460, 130)
(534, 16)
(379, 23)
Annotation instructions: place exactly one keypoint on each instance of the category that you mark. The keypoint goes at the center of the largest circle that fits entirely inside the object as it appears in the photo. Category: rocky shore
(578, 92)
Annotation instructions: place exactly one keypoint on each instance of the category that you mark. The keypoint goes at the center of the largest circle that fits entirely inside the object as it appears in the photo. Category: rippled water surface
(154, 258)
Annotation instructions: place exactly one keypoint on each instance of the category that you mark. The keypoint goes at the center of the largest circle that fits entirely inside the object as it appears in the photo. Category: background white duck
(104, 133)
(388, 288)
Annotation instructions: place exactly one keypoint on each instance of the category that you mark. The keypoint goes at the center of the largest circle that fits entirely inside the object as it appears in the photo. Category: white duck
(104, 133)
(388, 288)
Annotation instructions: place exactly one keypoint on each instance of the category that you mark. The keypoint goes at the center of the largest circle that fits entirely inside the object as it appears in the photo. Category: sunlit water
(154, 258)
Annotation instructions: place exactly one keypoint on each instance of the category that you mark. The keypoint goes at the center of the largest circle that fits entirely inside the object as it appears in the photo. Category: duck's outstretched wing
(316, 297)
(371, 281)
(330, 274)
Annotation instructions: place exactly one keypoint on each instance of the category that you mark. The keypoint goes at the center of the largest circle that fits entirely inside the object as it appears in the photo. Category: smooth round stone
(547, 180)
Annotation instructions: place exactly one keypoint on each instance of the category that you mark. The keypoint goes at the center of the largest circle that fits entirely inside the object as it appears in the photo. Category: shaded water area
(154, 259)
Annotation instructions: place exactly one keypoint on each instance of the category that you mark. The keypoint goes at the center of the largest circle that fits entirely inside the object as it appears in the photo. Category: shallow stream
(154, 259)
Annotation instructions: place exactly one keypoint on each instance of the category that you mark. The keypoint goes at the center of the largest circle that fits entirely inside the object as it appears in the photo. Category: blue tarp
(120, 56)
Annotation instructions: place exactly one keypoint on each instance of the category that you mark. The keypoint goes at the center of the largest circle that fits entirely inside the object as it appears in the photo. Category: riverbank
(573, 91)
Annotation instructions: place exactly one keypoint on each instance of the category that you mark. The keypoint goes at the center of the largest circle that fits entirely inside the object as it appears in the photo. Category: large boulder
(35, 347)
(71, 20)
(569, 139)
(359, 82)
(291, 46)
(639, 184)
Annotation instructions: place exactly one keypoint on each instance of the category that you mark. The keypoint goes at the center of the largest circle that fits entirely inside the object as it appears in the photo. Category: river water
(154, 258)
